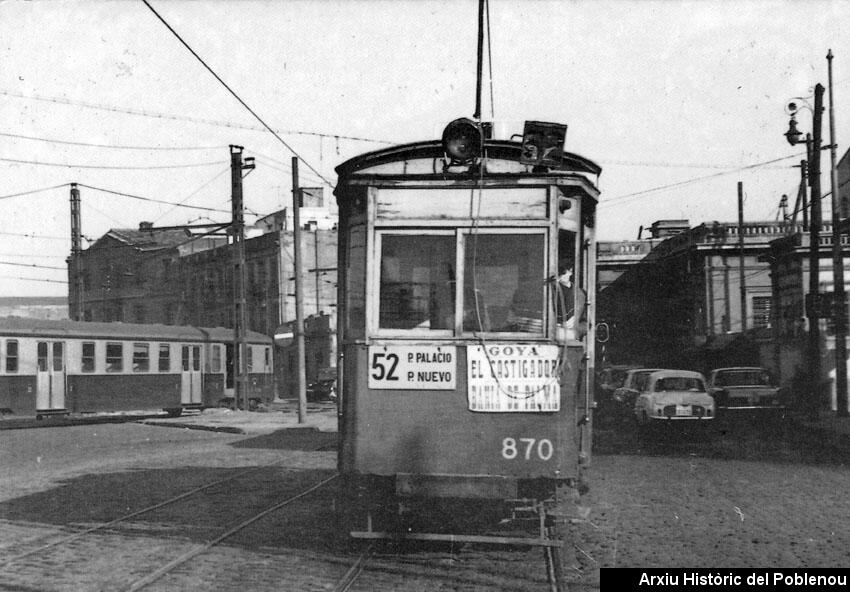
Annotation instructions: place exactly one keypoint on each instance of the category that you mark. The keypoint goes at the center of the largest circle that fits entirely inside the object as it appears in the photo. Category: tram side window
(570, 299)
(141, 357)
(12, 356)
(114, 357)
(249, 358)
(215, 359)
(504, 283)
(268, 358)
(41, 351)
(87, 362)
(417, 281)
(164, 364)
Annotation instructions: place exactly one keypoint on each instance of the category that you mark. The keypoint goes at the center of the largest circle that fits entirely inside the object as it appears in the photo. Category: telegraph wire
(31, 279)
(39, 236)
(191, 195)
(232, 92)
(150, 199)
(620, 198)
(32, 265)
(34, 191)
(111, 146)
(213, 122)
(111, 167)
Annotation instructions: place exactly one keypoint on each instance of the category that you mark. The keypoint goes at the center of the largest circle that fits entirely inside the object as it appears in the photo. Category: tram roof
(505, 150)
(29, 327)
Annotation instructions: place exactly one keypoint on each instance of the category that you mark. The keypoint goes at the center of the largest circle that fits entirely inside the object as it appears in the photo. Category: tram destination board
(422, 367)
(513, 378)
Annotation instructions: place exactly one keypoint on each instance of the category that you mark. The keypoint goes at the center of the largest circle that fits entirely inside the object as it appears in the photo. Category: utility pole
(76, 262)
(741, 279)
(840, 306)
(240, 322)
(814, 251)
(299, 295)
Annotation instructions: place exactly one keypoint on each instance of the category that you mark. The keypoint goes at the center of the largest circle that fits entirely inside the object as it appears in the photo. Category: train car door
(190, 374)
(50, 379)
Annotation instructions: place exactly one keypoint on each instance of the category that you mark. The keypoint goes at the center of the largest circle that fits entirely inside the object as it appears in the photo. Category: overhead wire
(213, 122)
(622, 198)
(111, 167)
(153, 200)
(110, 146)
(232, 92)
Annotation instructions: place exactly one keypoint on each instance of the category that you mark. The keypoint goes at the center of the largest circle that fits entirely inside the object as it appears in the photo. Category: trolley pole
(741, 257)
(75, 264)
(239, 316)
(840, 307)
(299, 295)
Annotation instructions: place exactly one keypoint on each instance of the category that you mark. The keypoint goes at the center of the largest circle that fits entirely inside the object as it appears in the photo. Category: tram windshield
(417, 281)
(504, 288)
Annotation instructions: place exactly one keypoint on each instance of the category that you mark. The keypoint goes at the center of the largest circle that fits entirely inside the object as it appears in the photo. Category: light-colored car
(745, 388)
(633, 384)
(674, 395)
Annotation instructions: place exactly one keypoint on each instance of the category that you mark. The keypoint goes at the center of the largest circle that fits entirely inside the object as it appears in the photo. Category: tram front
(466, 276)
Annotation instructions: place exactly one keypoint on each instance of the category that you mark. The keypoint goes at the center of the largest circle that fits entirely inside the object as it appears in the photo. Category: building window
(164, 357)
(761, 312)
(87, 364)
(141, 357)
(114, 357)
(12, 356)
(139, 313)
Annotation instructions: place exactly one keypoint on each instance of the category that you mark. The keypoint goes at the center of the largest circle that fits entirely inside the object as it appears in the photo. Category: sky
(677, 101)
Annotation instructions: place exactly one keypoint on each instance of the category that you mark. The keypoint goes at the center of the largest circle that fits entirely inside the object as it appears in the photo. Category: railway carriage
(50, 367)
(466, 278)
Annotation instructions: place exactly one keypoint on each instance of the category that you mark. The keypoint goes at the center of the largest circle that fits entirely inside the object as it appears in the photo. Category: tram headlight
(462, 140)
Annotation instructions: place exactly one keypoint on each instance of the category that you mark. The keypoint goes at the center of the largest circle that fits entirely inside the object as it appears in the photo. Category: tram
(60, 367)
(466, 315)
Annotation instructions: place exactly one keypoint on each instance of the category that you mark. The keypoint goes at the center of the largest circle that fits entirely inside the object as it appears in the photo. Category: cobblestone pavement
(739, 495)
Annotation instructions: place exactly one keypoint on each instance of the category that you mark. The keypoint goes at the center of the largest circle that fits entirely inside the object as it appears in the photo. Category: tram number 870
(527, 448)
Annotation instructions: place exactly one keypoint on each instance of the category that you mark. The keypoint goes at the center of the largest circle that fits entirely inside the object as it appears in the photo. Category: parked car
(608, 380)
(674, 396)
(633, 384)
(745, 388)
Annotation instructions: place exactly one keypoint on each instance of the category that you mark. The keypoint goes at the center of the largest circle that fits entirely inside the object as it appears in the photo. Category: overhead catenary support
(741, 278)
(299, 295)
(240, 355)
(75, 263)
(840, 305)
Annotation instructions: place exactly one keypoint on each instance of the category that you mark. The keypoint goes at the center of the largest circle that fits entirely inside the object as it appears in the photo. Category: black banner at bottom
(724, 580)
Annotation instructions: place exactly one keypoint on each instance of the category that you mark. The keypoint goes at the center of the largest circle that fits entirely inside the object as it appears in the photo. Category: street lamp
(813, 148)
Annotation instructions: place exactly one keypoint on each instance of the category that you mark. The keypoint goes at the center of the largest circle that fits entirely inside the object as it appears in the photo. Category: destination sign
(513, 378)
(421, 367)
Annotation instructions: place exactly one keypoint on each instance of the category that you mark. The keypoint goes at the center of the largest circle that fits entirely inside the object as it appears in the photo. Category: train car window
(268, 358)
(141, 357)
(215, 359)
(114, 357)
(41, 350)
(87, 361)
(417, 281)
(196, 358)
(58, 355)
(249, 358)
(164, 357)
(12, 356)
(185, 358)
(504, 283)
(568, 294)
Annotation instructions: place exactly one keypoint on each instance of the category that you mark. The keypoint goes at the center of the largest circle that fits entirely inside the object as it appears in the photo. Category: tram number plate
(527, 449)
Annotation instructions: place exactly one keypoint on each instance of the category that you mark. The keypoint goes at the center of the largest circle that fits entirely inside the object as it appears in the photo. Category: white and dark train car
(466, 319)
(60, 367)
